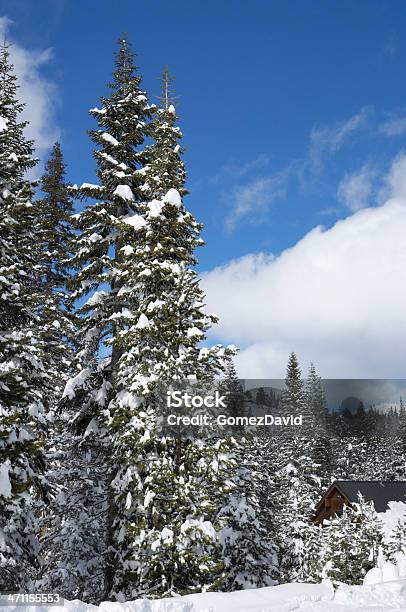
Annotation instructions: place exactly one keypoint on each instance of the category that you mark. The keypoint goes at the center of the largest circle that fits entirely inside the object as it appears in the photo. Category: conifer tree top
(293, 369)
(168, 95)
(124, 66)
(15, 150)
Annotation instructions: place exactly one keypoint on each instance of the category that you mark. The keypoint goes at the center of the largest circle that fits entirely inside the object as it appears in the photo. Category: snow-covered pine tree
(297, 481)
(350, 458)
(318, 434)
(55, 238)
(74, 540)
(166, 169)
(402, 425)
(167, 492)
(293, 400)
(396, 543)
(24, 381)
(232, 388)
(298, 489)
(311, 560)
(64, 551)
(315, 398)
(104, 240)
(353, 543)
(248, 544)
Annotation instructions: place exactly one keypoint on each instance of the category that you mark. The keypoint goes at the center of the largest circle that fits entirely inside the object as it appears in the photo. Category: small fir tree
(396, 543)
(293, 399)
(353, 543)
(299, 489)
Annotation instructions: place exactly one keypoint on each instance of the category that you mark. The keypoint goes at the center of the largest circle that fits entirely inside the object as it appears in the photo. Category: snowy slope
(283, 598)
(378, 598)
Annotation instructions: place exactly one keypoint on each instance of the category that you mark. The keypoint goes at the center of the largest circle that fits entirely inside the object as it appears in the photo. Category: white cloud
(356, 189)
(337, 297)
(254, 198)
(239, 170)
(393, 127)
(250, 200)
(396, 180)
(327, 140)
(37, 92)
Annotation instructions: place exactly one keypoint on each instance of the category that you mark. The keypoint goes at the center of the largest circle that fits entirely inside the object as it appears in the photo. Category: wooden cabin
(345, 493)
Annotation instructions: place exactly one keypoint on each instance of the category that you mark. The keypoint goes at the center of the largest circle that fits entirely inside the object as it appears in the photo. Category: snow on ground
(283, 598)
(377, 598)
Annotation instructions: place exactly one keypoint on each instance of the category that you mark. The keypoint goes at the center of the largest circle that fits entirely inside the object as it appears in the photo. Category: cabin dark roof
(379, 491)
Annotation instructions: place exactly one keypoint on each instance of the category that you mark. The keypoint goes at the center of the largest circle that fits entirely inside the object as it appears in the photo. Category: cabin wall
(331, 504)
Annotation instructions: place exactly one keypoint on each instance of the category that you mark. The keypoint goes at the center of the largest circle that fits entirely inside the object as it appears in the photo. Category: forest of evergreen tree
(99, 303)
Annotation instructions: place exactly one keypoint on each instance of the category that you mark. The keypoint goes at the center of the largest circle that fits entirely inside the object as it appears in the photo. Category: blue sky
(253, 78)
(293, 113)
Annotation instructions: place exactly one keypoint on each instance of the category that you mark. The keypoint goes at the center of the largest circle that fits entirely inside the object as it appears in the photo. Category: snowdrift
(283, 598)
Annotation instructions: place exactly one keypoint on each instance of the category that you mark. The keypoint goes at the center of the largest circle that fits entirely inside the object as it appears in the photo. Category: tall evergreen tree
(55, 240)
(24, 381)
(315, 399)
(318, 434)
(167, 492)
(65, 553)
(135, 254)
(102, 244)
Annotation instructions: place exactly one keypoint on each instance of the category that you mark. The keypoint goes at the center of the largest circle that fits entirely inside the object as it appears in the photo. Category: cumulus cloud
(37, 92)
(337, 297)
(356, 189)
